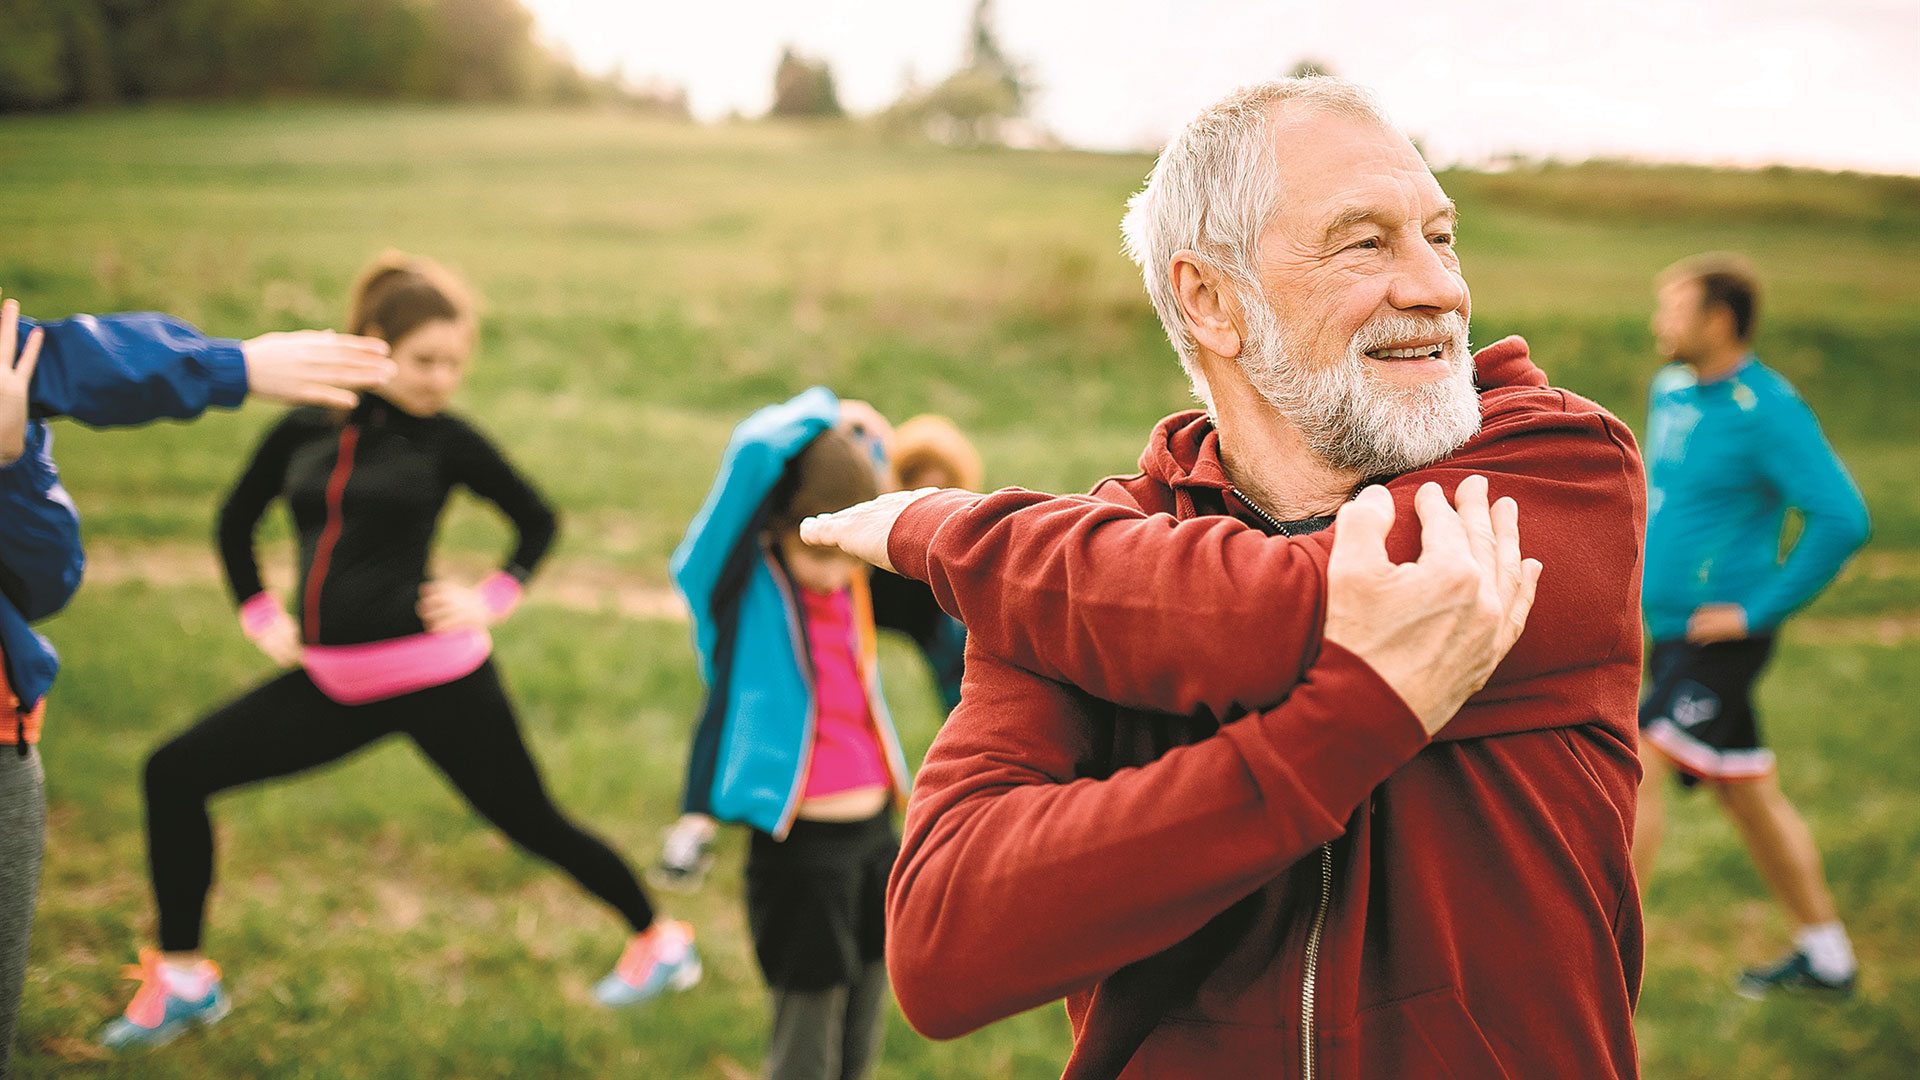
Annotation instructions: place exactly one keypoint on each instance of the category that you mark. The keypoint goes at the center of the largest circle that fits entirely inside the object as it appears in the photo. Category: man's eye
(1444, 239)
(1369, 244)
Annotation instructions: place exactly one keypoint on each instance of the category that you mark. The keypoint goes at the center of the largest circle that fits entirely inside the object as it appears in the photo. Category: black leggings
(465, 727)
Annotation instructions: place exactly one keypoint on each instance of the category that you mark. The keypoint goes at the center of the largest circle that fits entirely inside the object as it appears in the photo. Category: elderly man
(1206, 779)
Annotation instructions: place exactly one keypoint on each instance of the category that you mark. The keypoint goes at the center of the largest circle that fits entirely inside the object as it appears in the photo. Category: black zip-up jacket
(366, 495)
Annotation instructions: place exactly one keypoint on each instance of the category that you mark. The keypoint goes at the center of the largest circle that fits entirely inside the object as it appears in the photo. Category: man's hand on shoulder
(1435, 628)
(1713, 623)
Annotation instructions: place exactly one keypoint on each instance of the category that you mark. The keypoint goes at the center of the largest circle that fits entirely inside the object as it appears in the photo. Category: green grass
(648, 285)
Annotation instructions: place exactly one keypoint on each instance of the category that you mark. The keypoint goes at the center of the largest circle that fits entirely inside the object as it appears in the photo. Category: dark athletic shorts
(1700, 709)
(816, 902)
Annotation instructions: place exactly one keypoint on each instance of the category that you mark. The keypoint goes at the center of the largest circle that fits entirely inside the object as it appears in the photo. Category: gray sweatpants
(831, 1034)
(23, 837)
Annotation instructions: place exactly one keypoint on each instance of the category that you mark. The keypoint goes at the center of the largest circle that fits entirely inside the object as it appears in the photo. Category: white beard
(1351, 419)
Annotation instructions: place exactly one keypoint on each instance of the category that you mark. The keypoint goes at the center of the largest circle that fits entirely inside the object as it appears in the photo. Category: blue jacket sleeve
(756, 455)
(1801, 465)
(120, 370)
(40, 554)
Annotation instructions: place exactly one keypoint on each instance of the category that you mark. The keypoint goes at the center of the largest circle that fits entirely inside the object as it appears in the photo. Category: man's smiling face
(1361, 341)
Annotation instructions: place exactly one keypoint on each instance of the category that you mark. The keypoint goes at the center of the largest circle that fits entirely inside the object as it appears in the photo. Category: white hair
(1215, 187)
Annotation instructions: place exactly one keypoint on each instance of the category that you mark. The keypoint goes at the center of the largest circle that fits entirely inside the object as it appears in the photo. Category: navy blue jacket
(108, 371)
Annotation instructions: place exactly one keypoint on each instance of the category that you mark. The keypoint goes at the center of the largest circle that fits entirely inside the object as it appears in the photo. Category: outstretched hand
(16, 376)
(861, 530)
(315, 367)
(1435, 628)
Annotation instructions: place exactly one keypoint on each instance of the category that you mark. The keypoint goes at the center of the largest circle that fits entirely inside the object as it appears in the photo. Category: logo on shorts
(1694, 705)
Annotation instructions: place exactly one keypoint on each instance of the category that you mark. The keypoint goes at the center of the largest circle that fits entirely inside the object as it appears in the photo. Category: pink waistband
(359, 674)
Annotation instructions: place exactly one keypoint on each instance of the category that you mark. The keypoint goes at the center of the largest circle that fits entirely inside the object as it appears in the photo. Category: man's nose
(1424, 282)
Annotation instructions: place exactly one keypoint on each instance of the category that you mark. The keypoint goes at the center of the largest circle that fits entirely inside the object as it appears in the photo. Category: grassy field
(647, 286)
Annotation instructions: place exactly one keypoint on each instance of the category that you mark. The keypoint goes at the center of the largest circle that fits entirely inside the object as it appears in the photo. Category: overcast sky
(1834, 83)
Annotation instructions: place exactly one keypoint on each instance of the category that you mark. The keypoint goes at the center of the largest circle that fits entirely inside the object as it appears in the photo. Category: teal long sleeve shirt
(1725, 461)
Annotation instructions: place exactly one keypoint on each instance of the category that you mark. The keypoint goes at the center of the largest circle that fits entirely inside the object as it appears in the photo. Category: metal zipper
(1259, 511)
(1310, 971)
(1284, 528)
(1310, 976)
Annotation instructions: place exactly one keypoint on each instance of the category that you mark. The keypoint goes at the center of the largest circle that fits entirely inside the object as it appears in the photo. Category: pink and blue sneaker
(167, 1003)
(661, 959)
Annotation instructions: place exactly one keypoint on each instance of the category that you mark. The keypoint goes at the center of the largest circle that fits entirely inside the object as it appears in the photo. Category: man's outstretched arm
(122, 370)
(1213, 614)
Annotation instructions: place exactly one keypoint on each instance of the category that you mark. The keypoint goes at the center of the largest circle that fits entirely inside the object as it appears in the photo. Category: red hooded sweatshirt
(1230, 845)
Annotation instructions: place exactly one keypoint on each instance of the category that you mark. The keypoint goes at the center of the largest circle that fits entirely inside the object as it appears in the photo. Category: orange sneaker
(166, 1005)
(661, 959)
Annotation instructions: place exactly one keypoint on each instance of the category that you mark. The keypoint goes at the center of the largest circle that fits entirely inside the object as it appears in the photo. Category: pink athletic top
(846, 751)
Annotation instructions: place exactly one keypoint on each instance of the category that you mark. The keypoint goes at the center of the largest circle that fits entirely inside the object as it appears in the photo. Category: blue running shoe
(158, 1014)
(1793, 972)
(659, 960)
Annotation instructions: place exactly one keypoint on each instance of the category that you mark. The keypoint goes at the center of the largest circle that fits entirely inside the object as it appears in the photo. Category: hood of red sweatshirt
(1184, 451)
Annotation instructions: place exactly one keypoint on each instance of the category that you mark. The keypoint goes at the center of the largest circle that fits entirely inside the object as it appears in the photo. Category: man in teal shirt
(1730, 449)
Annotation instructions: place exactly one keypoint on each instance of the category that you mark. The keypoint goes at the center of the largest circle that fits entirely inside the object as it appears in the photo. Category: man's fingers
(1523, 599)
(1441, 534)
(331, 397)
(820, 531)
(9, 329)
(371, 345)
(351, 371)
(1505, 515)
(354, 371)
(30, 355)
(1476, 520)
(1361, 527)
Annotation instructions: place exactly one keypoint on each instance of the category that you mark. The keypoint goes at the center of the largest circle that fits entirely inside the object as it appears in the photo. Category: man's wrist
(910, 541)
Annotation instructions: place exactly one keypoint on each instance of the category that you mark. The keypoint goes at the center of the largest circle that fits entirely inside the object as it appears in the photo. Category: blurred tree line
(81, 52)
(973, 105)
(803, 86)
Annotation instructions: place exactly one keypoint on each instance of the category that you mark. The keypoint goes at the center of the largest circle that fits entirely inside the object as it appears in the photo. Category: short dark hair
(1726, 280)
(831, 473)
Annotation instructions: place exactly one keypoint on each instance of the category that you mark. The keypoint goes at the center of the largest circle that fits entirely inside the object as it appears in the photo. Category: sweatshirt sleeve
(1118, 602)
(121, 370)
(1014, 887)
(1800, 464)
(1109, 599)
(261, 482)
(479, 465)
(40, 554)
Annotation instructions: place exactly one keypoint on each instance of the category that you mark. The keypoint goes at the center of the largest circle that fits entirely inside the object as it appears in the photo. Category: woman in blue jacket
(111, 371)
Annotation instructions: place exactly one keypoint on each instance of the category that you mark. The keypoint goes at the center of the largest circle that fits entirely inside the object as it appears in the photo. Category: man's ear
(1720, 324)
(1207, 303)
